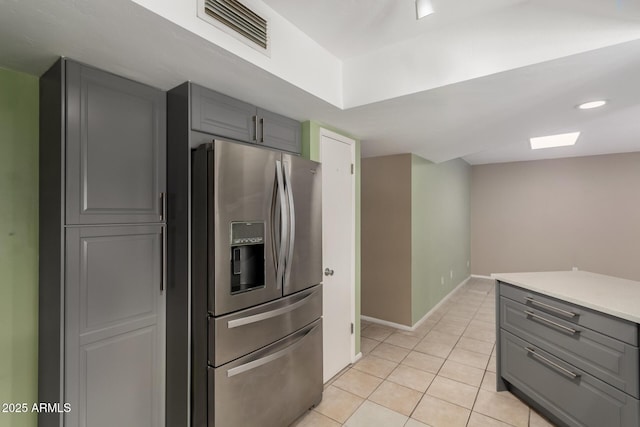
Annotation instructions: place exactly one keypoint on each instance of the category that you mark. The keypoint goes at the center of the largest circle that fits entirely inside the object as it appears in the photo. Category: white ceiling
(474, 80)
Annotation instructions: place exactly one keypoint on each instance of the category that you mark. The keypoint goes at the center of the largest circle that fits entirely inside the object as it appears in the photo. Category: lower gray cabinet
(572, 395)
(114, 331)
(576, 365)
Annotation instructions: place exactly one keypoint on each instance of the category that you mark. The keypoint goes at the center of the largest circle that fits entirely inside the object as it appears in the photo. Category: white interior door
(337, 154)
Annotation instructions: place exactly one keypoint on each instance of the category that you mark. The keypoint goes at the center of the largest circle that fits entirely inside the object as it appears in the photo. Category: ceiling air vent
(239, 18)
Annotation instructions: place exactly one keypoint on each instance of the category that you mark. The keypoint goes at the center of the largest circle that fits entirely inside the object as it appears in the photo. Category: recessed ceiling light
(591, 104)
(423, 8)
(561, 140)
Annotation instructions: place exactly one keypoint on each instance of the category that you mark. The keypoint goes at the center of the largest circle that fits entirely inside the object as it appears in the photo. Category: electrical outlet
(442, 280)
(451, 274)
(575, 268)
(468, 263)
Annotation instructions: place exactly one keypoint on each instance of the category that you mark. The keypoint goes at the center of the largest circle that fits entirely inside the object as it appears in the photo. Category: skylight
(551, 141)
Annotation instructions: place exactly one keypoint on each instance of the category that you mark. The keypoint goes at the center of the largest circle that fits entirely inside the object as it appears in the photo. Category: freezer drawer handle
(551, 322)
(268, 314)
(550, 307)
(267, 359)
(543, 359)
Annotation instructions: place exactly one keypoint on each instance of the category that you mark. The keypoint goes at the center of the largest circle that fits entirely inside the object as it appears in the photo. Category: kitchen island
(567, 344)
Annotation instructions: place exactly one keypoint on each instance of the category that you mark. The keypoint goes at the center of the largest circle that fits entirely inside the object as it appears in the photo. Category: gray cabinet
(574, 396)
(279, 132)
(115, 148)
(102, 246)
(223, 116)
(577, 365)
(113, 326)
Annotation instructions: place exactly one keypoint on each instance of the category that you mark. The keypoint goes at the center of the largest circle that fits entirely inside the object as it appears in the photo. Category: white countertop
(606, 294)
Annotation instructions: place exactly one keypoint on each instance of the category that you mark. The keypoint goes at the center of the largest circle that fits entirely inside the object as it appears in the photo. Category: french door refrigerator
(256, 286)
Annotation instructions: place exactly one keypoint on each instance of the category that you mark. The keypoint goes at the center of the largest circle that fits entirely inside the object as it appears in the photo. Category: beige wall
(557, 214)
(386, 238)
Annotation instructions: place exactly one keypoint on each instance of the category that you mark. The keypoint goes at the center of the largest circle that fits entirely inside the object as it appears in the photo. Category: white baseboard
(386, 323)
(423, 319)
(479, 276)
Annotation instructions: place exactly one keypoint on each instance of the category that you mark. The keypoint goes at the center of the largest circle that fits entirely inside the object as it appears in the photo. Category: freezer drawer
(613, 361)
(614, 327)
(270, 387)
(570, 394)
(237, 334)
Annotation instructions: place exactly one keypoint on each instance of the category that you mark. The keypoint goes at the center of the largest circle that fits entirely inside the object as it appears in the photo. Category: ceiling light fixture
(591, 104)
(551, 141)
(423, 8)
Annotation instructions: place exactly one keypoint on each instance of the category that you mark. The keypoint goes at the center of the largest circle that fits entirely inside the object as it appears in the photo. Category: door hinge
(352, 329)
(352, 168)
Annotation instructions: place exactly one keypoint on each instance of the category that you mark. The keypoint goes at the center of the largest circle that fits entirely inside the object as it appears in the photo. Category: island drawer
(569, 393)
(620, 329)
(608, 359)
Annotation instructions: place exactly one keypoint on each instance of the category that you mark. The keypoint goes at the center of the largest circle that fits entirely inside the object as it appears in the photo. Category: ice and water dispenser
(247, 256)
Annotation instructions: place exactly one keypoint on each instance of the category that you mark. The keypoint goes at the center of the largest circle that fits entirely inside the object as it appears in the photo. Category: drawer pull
(558, 325)
(270, 358)
(270, 314)
(550, 307)
(543, 359)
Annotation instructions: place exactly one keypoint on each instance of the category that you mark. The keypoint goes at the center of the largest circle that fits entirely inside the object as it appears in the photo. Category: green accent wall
(18, 244)
(311, 150)
(440, 231)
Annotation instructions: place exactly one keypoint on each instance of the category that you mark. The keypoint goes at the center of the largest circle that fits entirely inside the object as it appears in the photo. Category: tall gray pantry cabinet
(102, 275)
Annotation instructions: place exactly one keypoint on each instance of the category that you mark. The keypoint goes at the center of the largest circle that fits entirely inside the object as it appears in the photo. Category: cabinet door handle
(262, 130)
(551, 322)
(163, 259)
(551, 363)
(163, 206)
(255, 128)
(550, 307)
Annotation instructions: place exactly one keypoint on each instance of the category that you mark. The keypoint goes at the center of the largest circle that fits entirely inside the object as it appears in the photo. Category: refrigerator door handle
(284, 228)
(270, 358)
(292, 227)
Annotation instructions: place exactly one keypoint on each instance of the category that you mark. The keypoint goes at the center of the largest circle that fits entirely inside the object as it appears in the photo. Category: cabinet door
(279, 132)
(114, 327)
(221, 115)
(116, 148)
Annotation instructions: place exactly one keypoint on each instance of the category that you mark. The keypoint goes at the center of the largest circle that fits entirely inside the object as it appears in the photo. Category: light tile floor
(440, 375)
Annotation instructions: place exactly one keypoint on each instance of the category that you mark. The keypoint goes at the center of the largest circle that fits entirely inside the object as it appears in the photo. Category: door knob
(328, 272)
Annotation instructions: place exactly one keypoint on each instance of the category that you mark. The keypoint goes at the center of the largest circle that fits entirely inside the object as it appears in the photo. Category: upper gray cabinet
(279, 132)
(221, 115)
(116, 152)
(227, 117)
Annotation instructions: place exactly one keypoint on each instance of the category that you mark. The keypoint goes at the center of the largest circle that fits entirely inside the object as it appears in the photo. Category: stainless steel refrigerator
(256, 286)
